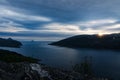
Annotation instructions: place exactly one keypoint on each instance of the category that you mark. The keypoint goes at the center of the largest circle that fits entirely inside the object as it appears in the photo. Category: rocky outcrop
(22, 71)
(35, 71)
(14, 66)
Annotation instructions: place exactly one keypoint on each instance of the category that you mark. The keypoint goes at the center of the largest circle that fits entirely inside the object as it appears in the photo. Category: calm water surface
(104, 62)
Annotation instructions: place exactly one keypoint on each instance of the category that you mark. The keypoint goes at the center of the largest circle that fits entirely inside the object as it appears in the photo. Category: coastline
(26, 68)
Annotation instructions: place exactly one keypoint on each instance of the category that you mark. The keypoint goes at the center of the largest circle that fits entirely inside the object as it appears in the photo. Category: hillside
(9, 43)
(111, 41)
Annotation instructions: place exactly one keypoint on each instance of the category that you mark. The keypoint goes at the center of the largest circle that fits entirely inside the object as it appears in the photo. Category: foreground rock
(34, 71)
(14, 66)
(22, 71)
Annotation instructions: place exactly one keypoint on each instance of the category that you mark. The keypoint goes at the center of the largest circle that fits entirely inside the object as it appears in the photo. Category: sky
(57, 19)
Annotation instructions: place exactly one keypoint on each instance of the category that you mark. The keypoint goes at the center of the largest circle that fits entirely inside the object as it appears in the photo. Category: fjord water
(104, 62)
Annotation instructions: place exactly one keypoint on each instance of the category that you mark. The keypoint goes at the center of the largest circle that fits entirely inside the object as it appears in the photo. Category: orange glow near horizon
(100, 34)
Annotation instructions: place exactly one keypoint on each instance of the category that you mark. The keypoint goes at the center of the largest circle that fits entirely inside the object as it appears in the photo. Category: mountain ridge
(10, 43)
(107, 41)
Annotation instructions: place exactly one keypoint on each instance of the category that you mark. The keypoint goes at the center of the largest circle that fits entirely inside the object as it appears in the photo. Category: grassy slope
(9, 56)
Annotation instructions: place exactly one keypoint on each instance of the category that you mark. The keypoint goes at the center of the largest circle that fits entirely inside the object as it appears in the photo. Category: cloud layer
(45, 19)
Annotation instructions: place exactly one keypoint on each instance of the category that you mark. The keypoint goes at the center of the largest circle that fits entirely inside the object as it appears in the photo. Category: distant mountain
(111, 41)
(9, 43)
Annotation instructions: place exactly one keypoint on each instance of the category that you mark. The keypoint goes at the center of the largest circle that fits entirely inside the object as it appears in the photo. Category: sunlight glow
(100, 34)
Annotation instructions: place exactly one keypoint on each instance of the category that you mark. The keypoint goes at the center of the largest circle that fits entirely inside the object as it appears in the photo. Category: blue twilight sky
(57, 19)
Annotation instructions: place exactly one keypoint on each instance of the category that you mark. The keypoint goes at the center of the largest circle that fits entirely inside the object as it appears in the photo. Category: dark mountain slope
(9, 43)
(111, 41)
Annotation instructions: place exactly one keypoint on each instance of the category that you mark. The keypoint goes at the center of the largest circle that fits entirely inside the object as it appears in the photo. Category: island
(10, 43)
(106, 41)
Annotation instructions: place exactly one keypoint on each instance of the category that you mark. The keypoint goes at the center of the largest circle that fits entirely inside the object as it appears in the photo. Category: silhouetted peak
(9, 43)
(10, 39)
(106, 41)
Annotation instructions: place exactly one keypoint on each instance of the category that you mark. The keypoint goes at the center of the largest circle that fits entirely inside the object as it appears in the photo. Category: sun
(100, 34)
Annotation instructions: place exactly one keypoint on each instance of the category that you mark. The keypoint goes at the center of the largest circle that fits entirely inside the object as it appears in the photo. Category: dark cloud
(34, 34)
(70, 9)
(23, 16)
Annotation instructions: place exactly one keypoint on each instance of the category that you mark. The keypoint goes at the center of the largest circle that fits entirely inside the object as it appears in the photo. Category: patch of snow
(38, 68)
